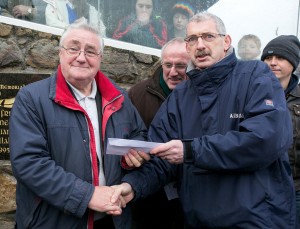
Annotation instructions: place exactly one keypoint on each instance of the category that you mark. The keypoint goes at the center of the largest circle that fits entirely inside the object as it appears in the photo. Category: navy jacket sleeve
(32, 163)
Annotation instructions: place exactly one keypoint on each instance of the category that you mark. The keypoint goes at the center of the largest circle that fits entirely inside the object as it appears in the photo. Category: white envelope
(118, 146)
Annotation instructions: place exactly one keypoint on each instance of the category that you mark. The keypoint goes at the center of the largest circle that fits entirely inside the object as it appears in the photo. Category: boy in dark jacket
(282, 56)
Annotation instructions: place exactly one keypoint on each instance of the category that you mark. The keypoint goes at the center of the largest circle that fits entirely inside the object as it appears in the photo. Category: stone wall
(28, 51)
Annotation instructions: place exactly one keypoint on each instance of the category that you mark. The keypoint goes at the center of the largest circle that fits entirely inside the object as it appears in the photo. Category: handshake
(112, 199)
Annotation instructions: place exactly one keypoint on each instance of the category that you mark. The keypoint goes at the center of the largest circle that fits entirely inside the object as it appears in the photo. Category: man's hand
(123, 192)
(171, 151)
(101, 201)
(20, 10)
(136, 158)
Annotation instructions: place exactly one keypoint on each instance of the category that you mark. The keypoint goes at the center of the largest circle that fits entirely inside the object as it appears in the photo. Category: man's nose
(273, 61)
(173, 71)
(200, 43)
(81, 56)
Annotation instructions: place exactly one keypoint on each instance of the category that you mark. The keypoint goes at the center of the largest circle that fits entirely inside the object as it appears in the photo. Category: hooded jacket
(293, 101)
(53, 152)
(236, 130)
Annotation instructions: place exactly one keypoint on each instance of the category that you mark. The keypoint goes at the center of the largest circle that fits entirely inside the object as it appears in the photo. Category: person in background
(3, 3)
(226, 134)
(30, 10)
(142, 27)
(180, 15)
(3, 7)
(111, 12)
(61, 13)
(147, 96)
(282, 56)
(249, 47)
(58, 131)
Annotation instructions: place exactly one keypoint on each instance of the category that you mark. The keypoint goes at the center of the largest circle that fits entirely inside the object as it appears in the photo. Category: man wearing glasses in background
(226, 134)
(58, 134)
(147, 96)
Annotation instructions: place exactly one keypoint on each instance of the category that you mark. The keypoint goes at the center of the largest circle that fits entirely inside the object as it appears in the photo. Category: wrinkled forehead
(175, 47)
(144, 2)
(199, 27)
(83, 38)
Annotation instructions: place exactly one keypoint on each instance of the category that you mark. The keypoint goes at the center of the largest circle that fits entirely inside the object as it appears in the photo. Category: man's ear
(59, 54)
(227, 42)
(187, 47)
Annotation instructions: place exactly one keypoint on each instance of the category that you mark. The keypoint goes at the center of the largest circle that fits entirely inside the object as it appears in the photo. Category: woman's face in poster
(144, 10)
(180, 21)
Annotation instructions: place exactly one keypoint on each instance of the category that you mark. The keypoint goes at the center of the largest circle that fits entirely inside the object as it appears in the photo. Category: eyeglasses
(77, 52)
(209, 37)
(178, 67)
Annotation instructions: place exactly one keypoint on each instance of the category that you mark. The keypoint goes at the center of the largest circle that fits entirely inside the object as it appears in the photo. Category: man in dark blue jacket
(58, 135)
(227, 131)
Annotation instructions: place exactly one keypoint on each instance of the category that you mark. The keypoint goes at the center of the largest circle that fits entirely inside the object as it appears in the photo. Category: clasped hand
(111, 199)
(20, 10)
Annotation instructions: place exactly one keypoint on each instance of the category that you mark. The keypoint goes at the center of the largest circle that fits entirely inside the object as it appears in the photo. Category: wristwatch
(29, 10)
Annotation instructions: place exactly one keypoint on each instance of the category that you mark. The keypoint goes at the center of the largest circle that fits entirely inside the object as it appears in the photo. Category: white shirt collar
(79, 96)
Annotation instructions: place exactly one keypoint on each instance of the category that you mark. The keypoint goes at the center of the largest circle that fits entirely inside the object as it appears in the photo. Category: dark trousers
(104, 223)
(156, 211)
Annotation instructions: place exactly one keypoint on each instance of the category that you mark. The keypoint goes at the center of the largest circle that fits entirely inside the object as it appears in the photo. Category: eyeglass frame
(178, 67)
(203, 36)
(78, 52)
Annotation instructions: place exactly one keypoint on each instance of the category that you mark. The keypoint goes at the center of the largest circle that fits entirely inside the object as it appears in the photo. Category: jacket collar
(293, 87)
(61, 93)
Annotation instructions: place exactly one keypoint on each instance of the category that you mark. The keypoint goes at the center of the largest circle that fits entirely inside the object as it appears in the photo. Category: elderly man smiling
(58, 130)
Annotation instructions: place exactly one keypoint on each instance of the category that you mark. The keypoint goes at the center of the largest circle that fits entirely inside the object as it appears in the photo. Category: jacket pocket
(30, 219)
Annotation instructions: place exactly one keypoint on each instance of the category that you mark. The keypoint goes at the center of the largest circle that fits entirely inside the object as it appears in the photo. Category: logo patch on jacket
(236, 115)
(269, 102)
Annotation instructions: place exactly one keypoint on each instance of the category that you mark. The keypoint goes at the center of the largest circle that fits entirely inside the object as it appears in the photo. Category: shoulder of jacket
(296, 91)
(140, 86)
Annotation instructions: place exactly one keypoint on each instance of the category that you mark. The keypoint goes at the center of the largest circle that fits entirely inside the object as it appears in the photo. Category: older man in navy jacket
(58, 135)
(227, 131)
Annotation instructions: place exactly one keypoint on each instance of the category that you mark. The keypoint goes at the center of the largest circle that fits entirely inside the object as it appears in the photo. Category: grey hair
(206, 16)
(172, 41)
(84, 25)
